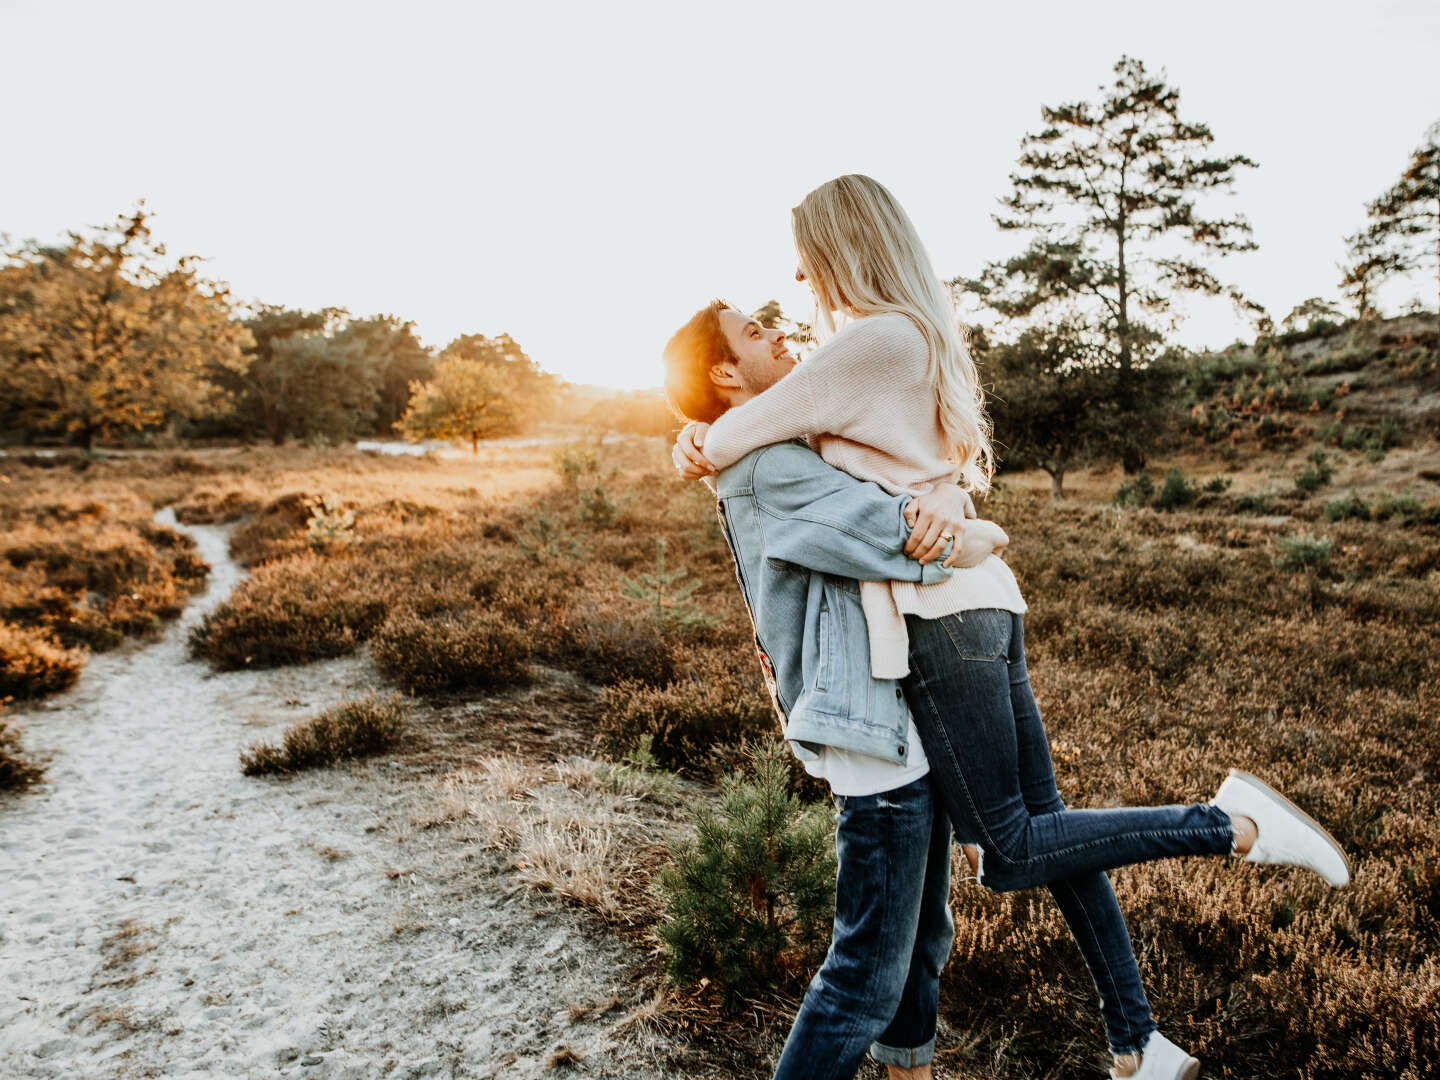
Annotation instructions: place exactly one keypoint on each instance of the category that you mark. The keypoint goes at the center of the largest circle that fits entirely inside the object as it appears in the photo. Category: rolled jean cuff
(910, 1057)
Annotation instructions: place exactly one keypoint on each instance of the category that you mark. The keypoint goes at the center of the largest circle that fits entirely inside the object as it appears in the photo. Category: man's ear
(725, 376)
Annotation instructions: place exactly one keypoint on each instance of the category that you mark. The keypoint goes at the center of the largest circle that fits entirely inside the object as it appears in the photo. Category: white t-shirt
(852, 773)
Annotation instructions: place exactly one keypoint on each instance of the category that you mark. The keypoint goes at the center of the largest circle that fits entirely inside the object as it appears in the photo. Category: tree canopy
(1402, 233)
(105, 334)
(481, 387)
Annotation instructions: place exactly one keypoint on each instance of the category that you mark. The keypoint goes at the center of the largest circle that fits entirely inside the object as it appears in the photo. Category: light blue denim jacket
(803, 534)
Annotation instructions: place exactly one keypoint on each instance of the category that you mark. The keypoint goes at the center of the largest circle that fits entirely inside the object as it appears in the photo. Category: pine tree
(662, 589)
(1404, 229)
(750, 898)
(1109, 191)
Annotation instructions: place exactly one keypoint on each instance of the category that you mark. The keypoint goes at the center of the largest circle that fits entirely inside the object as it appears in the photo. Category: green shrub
(307, 607)
(579, 465)
(352, 729)
(639, 775)
(330, 527)
(1350, 358)
(1317, 473)
(1137, 492)
(32, 664)
(1389, 506)
(1304, 552)
(546, 539)
(749, 898)
(16, 770)
(452, 650)
(599, 509)
(1255, 502)
(1347, 506)
(1217, 485)
(698, 724)
(1175, 492)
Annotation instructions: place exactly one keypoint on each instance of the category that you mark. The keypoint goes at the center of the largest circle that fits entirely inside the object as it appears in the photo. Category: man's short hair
(696, 348)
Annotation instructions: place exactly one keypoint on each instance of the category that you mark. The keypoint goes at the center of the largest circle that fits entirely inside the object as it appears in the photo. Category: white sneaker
(1163, 1060)
(1287, 835)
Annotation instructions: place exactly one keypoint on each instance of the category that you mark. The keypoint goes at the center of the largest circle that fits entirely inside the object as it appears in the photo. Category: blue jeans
(990, 764)
(878, 988)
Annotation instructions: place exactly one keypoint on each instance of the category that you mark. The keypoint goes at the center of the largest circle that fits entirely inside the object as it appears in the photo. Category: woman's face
(804, 278)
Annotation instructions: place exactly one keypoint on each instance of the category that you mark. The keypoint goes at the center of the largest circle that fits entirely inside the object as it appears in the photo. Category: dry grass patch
(567, 828)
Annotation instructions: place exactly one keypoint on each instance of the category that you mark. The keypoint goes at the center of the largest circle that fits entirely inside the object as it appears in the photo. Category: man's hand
(687, 453)
(936, 518)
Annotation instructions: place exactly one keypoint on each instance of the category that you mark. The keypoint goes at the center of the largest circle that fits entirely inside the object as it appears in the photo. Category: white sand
(163, 915)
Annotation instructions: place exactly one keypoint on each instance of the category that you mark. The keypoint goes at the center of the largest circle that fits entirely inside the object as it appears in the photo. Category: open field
(1244, 628)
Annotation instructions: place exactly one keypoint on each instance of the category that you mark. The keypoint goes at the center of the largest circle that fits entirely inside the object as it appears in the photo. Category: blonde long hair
(861, 254)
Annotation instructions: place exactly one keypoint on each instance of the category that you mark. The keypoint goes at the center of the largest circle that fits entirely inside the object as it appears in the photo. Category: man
(803, 534)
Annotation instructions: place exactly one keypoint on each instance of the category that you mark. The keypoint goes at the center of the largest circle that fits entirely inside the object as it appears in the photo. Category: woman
(895, 398)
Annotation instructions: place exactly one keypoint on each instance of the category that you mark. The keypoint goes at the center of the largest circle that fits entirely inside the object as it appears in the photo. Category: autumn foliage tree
(1109, 192)
(104, 334)
(481, 387)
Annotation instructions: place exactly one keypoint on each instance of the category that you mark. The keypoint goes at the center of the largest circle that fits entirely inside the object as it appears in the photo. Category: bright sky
(583, 176)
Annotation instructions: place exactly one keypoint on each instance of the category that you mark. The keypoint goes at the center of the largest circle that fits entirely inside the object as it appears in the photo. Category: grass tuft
(353, 729)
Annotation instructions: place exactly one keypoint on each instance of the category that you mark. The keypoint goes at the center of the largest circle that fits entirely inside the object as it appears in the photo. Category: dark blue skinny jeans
(878, 989)
(990, 765)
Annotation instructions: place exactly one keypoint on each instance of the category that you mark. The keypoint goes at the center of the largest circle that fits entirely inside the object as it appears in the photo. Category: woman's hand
(980, 540)
(936, 518)
(687, 453)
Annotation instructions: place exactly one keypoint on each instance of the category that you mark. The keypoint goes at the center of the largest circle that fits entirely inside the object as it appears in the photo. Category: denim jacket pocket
(825, 670)
(982, 634)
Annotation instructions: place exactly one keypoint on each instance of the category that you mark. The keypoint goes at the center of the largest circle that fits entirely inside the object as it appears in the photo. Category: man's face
(761, 356)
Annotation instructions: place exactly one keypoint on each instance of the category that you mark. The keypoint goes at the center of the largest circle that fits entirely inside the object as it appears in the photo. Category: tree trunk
(1130, 456)
(474, 444)
(1057, 481)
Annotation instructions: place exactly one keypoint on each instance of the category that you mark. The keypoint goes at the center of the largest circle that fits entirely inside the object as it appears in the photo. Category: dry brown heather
(1164, 647)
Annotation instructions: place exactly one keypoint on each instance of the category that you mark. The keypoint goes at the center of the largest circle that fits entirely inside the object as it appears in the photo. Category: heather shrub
(32, 664)
(749, 897)
(451, 650)
(16, 770)
(353, 729)
(607, 645)
(699, 724)
(82, 573)
(304, 608)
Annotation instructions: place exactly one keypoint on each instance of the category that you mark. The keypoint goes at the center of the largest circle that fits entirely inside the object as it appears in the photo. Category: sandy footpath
(163, 915)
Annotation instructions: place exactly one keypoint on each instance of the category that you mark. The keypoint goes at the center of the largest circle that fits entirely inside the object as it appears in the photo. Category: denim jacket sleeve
(827, 521)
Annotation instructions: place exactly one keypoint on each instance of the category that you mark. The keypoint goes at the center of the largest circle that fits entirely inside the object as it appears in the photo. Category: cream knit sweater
(866, 399)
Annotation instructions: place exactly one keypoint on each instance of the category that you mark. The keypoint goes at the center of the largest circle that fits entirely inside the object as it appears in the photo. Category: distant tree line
(103, 337)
